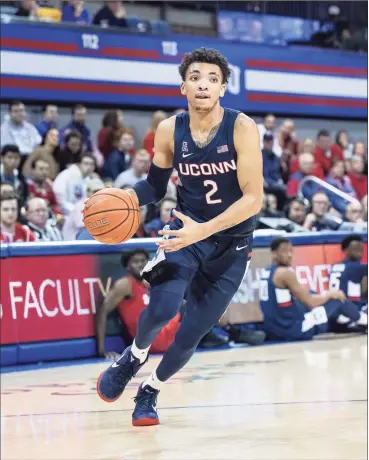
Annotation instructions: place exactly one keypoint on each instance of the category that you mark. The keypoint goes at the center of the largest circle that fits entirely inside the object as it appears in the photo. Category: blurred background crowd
(315, 23)
(54, 157)
(48, 170)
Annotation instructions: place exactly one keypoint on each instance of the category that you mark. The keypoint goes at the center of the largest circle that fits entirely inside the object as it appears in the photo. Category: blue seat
(160, 27)
(10, 10)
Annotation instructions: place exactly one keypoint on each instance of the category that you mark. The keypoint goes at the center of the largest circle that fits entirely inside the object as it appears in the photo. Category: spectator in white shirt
(37, 214)
(136, 172)
(74, 221)
(267, 126)
(70, 185)
(16, 130)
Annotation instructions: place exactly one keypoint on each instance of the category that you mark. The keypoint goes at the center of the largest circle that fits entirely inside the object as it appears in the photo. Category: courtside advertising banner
(46, 298)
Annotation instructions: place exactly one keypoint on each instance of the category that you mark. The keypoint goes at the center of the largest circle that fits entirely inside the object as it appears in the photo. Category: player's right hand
(338, 295)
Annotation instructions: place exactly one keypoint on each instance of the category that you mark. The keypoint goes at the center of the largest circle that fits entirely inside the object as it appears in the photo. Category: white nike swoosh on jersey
(242, 247)
(186, 155)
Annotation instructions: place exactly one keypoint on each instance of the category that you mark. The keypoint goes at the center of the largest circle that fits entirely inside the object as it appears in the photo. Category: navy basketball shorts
(207, 274)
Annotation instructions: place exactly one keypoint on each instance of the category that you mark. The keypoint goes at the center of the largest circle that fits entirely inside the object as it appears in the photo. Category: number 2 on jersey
(211, 192)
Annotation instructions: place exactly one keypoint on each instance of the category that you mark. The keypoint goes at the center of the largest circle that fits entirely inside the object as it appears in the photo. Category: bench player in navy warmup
(290, 311)
(351, 275)
(206, 249)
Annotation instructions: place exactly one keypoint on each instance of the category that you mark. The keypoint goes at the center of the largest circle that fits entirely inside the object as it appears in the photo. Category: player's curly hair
(207, 55)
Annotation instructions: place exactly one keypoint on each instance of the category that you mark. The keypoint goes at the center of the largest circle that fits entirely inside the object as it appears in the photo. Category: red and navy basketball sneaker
(114, 380)
(145, 411)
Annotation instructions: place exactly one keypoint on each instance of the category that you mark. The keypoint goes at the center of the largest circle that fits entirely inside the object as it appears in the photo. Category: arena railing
(325, 186)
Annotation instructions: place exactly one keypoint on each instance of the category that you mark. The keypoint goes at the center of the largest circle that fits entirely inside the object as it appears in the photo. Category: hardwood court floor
(294, 401)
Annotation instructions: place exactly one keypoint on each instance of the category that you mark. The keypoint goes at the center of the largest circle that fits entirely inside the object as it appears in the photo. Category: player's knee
(163, 306)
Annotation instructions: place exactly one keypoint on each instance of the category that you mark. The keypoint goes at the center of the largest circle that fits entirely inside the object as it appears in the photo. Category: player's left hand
(190, 233)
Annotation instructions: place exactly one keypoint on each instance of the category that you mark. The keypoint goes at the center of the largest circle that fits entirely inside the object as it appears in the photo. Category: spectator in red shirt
(323, 153)
(10, 230)
(110, 133)
(148, 142)
(306, 168)
(130, 295)
(38, 184)
(359, 180)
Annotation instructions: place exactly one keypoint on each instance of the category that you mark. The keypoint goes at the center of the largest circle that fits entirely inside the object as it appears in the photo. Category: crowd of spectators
(334, 30)
(338, 162)
(47, 171)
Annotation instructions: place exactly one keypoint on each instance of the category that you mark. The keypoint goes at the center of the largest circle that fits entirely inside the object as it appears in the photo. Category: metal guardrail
(326, 186)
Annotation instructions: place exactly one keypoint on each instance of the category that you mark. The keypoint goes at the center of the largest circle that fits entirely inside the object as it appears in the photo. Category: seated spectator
(49, 120)
(117, 160)
(70, 185)
(273, 183)
(338, 178)
(271, 163)
(9, 170)
(49, 14)
(40, 186)
(37, 215)
(307, 146)
(130, 295)
(268, 125)
(341, 147)
(364, 204)
(152, 228)
(315, 220)
(50, 152)
(141, 232)
(6, 188)
(148, 141)
(354, 213)
(293, 313)
(296, 211)
(306, 168)
(136, 172)
(74, 221)
(16, 130)
(72, 151)
(323, 154)
(110, 133)
(286, 144)
(10, 230)
(317, 170)
(75, 11)
(113, 14)
(78, 123)
(28, 9)
(359, 148)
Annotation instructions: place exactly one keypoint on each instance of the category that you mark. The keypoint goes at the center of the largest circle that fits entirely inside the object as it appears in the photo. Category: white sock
(363, 320)
(153, 381)
(138, 353)
(343, 319)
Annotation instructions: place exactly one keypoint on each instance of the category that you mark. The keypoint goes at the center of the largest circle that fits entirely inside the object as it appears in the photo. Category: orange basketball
(111, 215)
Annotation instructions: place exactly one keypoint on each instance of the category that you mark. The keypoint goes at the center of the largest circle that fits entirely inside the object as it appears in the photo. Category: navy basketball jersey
(347, 276)
(208, 183)
(283, 314)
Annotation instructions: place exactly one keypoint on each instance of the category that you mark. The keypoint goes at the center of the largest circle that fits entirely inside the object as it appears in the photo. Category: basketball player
(206, 249)
(351, 276)
(291, 312)
(130, 295)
